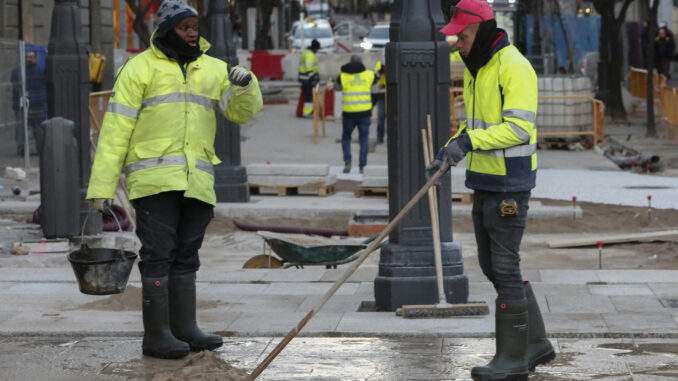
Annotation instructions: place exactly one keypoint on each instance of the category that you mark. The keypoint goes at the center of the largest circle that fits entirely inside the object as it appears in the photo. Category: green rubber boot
(158, 340)
(182, 314)
(539, 348)
(509, 362)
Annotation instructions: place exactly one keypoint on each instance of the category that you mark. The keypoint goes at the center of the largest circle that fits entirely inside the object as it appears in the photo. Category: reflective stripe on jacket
(356, 95)
(308, 65)
(160, 126)
(501, 109)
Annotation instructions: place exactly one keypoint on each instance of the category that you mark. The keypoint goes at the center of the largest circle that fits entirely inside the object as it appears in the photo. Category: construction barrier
(571, 115)
(638, 83)
(669, 99)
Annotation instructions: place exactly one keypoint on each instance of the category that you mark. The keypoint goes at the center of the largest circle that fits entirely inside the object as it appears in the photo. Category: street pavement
(606, 324)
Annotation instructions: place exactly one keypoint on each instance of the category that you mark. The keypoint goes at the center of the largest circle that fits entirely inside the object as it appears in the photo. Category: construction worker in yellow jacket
(355, 83)
(160, 127)
(499, 141)
(309, 75)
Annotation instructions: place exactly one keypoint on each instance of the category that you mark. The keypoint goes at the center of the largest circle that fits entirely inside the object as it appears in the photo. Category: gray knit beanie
(170, 13)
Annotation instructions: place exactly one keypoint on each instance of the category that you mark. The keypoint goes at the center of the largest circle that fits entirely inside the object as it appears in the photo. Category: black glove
(239, 76)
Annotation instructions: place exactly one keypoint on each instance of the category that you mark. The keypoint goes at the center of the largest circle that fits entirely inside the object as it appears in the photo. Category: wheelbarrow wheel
(263, 261)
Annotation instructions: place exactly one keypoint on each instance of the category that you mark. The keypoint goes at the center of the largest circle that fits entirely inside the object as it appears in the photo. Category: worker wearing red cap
(498, 140)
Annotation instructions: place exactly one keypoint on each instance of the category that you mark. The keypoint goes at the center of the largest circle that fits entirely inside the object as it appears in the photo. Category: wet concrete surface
(92, 358)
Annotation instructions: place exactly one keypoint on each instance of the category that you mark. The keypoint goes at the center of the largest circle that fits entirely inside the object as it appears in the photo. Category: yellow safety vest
(356, 95)
(308, 65)
(160, 126)
(501, 110)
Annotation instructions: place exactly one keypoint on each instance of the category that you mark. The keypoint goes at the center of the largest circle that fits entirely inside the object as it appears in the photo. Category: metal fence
(17, 84)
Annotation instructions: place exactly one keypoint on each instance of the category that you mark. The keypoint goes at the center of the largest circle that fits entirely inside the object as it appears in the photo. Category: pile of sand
(205, 366)
(130, 300)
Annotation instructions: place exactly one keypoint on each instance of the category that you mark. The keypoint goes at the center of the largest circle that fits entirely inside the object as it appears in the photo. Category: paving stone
(361, 274)
(267, 303)
(312, 274)
(387, 323)
(35, 288)
(569, 276)
(579, 303)
(565, 289)
(207, 274)
(637, 276)
(338, 303)
(664, 290)
(620, 289)
(574, 323)
(218, 289)
(641, 322)
(280, 323)
(639, 304)
(309, 289)
(288, 170)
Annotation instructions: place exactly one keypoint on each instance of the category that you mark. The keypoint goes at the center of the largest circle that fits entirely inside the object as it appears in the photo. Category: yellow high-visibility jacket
(356, 95)
(499, 133)
(308, 66)
(160, 125)
(456, 57)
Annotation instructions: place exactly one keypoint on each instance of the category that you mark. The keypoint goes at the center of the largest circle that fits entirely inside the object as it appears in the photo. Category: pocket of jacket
(212, 156)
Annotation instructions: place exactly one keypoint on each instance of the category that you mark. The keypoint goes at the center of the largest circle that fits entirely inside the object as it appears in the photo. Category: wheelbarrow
(299, 250)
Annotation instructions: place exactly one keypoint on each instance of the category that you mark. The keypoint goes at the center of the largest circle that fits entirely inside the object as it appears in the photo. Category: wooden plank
(371, 191)
(462, 198)
(611, 238)
(293, 190)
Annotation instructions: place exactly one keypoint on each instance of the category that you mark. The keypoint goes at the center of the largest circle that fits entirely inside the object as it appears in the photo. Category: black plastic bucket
(101, 271)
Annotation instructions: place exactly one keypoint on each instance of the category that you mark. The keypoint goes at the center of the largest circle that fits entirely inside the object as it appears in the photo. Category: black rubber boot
(539, 348)
(158, 340)
(509, 362)
(182, 314)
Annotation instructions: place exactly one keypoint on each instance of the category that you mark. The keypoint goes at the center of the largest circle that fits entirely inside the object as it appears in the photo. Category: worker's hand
(453, 153)
(239, 76)
(433, 167)
(101, 204)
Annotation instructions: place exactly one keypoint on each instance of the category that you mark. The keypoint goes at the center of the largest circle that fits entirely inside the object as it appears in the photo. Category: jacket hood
(353, 68)
(204, 45)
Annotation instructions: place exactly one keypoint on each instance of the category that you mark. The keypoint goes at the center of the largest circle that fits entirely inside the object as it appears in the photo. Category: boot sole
(511, 377)
(543, 359)
(171, 355)
(205, 347)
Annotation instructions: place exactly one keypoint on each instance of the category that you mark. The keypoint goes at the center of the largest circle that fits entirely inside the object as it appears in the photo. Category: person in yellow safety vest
(160, 126)
(355, 82)
(309, 74)
(379, 98)
(499, 141)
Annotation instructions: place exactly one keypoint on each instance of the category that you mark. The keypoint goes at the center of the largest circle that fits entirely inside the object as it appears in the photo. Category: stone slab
(637, 276)
(375, 182)
(308, 289)
(376, 171)
(620, 289)
(574, 323)
(637, 304)
(664, 290)
(280, 323)
(287, 170)
(265, 304)
(641, 322)
(273, 181)
(387, 323)
(579, 304)
(313, 274)
(569, 276)
(337, 304)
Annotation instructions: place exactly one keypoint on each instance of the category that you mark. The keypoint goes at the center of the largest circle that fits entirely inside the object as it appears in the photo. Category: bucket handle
(83, 245)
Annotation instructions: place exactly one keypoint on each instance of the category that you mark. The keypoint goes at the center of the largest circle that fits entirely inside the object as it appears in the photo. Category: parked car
(317, 29)
(349, 35)
(376, 39)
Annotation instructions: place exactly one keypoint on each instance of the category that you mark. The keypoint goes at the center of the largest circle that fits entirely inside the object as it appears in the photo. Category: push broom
(346, 274)
(443, 308)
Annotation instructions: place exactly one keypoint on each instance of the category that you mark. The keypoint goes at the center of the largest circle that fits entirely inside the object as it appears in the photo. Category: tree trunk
(611, 57)
(652, 32)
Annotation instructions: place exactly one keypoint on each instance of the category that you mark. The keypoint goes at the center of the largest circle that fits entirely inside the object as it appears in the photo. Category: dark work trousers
(307, 90)
(171, 228)
(498, 238)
